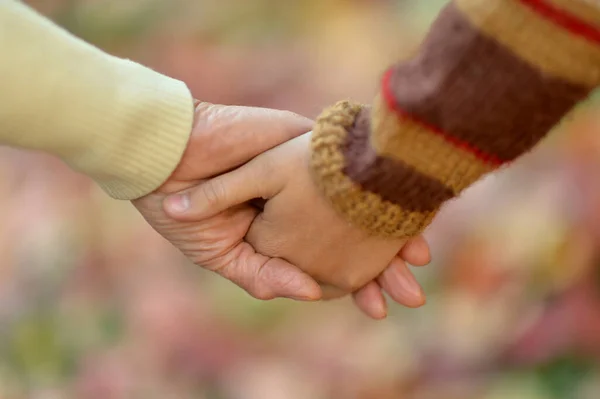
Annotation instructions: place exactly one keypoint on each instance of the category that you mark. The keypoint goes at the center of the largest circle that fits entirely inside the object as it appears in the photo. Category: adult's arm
(118, 122)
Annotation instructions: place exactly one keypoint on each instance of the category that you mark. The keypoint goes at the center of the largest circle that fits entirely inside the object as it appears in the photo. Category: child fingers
(370, 300)
(416, 251)
(398, 281)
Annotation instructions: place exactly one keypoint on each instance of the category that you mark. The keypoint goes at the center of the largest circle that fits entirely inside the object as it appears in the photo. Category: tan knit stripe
(360, 207)
(427, 152)
(586, 10)
(539, 42)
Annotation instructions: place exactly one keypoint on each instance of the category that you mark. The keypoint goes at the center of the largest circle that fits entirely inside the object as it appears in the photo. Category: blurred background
(95, 305)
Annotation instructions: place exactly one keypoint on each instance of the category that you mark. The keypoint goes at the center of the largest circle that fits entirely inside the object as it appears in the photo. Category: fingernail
(306, 294)
(378, 310)
(410, 286)
(178, 203)
(304, 297)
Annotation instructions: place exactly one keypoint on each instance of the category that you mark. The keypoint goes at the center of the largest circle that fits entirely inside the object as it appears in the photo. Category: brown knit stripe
(586, 10)
(536, 40)
(402, 139)
(392, 179)
(362, 208)
(449, 85)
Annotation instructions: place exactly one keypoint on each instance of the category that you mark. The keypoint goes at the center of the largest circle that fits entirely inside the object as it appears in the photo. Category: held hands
(223, 138)
(298, 225)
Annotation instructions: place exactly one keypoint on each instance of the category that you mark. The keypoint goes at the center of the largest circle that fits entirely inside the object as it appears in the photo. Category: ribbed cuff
(368, 191)
(153, 115)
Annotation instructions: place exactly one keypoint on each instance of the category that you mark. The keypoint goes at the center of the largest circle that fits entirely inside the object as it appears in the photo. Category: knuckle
(261, 171)
(247, 278)
(287, 280)
(279, 278)
(261, 283)
(213, 192)
(204, 111)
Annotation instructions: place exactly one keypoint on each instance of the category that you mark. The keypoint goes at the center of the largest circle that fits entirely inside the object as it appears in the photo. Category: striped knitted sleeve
(490, 80)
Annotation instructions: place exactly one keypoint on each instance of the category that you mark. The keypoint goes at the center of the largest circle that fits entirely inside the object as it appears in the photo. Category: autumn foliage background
(95, 305)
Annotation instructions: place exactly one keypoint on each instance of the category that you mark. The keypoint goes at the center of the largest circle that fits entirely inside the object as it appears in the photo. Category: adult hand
(223, 138)
(298, 225)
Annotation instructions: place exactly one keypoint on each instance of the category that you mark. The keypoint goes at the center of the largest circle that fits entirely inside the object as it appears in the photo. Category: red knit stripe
(564, 19)
(390, 100)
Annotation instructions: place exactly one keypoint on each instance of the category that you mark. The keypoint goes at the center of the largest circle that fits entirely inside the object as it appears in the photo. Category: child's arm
(491, 79)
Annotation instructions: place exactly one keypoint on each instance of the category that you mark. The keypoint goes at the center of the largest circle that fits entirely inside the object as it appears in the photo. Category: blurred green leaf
(105, 23)
(562, 376)
(36, 350)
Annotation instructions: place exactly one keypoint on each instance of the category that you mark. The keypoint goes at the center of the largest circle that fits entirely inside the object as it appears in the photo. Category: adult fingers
(398, 281)
(267, 278)
(416, 251)
(370, 301)
(225, 137)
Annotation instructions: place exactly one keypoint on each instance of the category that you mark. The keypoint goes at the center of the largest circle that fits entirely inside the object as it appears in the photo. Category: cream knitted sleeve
(120, 123)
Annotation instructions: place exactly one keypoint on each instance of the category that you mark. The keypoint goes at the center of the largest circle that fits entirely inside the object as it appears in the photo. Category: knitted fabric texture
(491, 79)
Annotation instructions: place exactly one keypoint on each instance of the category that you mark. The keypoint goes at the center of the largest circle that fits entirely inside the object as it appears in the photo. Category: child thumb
(218, 194)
